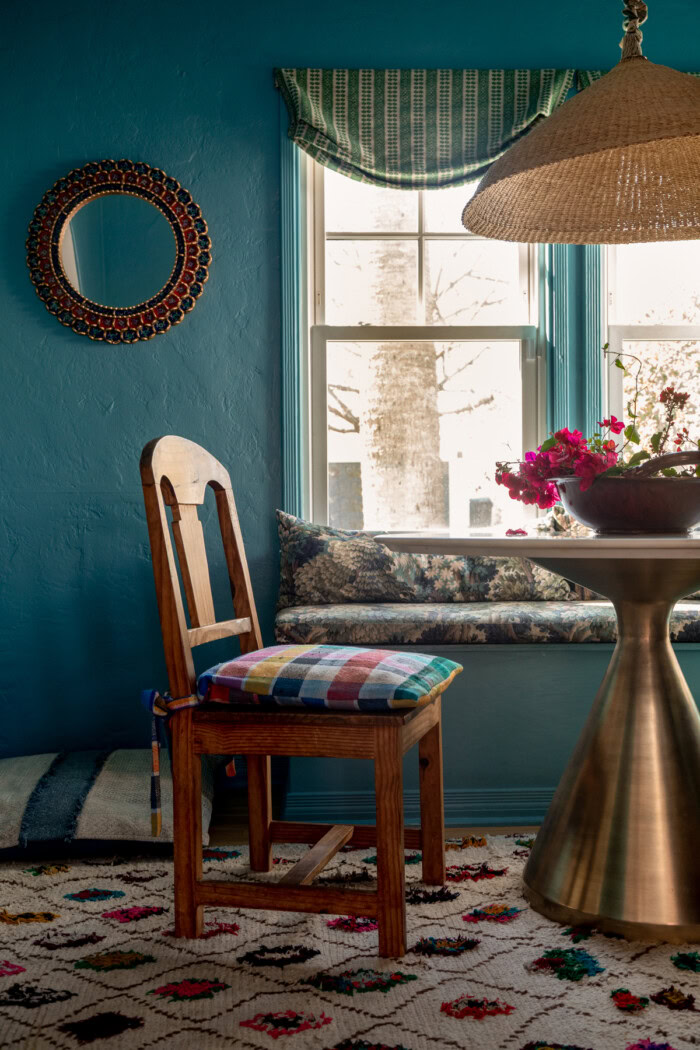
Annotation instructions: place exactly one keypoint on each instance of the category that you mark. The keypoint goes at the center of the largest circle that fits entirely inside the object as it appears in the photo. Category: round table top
(496, 544)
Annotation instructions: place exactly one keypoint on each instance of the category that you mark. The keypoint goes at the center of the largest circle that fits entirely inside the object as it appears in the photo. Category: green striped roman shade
(585, 77)
(416, 128)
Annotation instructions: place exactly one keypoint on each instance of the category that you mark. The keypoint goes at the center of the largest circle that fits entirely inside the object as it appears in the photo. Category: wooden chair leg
(259, 812)
(388, 780)
(432, 812)
(187, 825)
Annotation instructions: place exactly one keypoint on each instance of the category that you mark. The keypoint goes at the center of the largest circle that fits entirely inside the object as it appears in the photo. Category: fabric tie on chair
(161, 706)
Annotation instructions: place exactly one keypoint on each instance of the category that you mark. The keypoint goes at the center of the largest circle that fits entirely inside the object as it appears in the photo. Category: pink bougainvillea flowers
(566, 453)
(614, 424)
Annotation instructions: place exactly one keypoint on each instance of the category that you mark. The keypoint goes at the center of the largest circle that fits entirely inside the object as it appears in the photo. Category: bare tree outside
(408, 403)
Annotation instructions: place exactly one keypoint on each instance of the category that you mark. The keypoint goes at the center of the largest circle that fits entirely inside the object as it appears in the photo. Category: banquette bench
(534, 649)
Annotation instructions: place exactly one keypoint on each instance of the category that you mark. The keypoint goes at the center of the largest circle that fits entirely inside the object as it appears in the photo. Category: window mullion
(560, 348)
(396, 235)
(421, 255)
(594, 315)
(294, 325)
(319, 427)
(614, 392)
(611, 282)
(427, 333)
(524, 272)
(530, 376)
(319, 248)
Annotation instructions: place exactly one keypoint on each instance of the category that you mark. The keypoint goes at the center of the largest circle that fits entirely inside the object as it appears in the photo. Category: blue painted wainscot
(510, 722)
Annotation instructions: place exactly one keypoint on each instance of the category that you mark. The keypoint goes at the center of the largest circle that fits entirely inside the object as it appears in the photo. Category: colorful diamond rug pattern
(87, 958)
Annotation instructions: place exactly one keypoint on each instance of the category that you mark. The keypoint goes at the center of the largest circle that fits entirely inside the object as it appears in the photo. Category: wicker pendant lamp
(616, 164)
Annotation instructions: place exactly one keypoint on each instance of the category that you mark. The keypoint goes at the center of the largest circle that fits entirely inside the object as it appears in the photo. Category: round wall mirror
(118, 251)
(97, 250)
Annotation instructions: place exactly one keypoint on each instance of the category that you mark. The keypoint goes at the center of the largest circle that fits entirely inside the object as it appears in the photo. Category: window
(424, 359)
(654, 313)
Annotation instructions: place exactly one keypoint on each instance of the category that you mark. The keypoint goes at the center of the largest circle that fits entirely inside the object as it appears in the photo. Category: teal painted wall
(510, 722)
(187, 88)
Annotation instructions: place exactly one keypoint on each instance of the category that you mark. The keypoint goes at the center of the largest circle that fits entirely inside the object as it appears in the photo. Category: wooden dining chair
(175, 473)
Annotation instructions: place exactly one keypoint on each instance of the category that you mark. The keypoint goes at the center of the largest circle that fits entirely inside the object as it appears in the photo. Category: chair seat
(333, 677)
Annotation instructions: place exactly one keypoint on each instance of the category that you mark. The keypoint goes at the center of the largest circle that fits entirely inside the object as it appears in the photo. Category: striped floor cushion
(98, 796)
(335, 677)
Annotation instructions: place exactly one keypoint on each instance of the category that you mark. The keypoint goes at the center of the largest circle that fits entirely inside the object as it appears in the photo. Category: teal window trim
(558, 336)
(572, 325)
(593, 371)
(293, 316)
(574, 336)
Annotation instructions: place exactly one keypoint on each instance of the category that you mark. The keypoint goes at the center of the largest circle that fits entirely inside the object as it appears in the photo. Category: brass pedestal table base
(620, 845)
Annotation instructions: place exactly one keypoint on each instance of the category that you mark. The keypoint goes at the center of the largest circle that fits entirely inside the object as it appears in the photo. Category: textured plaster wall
(187, 87)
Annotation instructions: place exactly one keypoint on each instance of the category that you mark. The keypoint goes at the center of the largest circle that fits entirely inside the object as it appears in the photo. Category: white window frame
(619, 334)
(529, 336)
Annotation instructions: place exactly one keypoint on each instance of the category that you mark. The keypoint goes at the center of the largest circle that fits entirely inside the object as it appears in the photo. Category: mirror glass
(118, 250)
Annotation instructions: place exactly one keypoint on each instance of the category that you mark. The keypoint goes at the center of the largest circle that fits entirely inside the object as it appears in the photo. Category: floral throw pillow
(321, 565)
(324, 566)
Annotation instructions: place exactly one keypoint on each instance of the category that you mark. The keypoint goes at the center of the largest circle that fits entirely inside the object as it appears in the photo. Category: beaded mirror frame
(127, 324)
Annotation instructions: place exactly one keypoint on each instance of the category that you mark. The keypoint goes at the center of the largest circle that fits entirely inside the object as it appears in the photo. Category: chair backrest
(175, 472)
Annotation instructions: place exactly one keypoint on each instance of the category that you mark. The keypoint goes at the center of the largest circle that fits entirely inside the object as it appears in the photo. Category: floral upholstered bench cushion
(345, 588)
(392, 623)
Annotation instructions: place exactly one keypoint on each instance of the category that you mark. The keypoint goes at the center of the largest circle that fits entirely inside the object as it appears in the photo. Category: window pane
(663, 364)
(371, 282)
(442, 209)
(657, 283)
(473, 282)
(356, 207)
(414, 432)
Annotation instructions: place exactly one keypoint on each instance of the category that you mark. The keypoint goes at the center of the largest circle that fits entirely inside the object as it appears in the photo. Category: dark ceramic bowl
(628, 506)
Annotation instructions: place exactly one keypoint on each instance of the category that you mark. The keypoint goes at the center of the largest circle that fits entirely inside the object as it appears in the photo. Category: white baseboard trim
(463, 807)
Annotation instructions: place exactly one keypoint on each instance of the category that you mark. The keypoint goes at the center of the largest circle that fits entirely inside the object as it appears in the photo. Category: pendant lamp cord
(635, 13)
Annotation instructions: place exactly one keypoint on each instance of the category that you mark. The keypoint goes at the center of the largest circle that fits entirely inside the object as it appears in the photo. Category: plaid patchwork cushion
(338, 677)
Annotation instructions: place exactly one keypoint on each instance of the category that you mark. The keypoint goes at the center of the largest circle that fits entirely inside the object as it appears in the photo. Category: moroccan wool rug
(87, 957)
